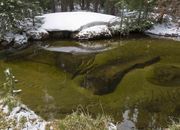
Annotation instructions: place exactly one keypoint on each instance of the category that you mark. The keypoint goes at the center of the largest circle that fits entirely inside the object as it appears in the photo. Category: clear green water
(48, 87)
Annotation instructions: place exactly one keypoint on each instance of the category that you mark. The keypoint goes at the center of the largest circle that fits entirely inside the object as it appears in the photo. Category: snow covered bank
(165, 29)
(20, 117)
(72, 21)
(17, 40)
(83, 25)
(71, 25)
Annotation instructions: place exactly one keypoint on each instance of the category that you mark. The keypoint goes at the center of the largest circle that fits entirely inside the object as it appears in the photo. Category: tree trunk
(87, 4)
(54, 6)
(146, 9)
(63, 5)
(140, 13)
(82, 4)
(71, 5)
(161, 11)
(122, 15)
(160, 17)
(96, 3)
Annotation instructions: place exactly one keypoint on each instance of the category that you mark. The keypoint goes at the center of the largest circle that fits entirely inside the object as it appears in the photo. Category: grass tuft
(175, 126)
(81, 120)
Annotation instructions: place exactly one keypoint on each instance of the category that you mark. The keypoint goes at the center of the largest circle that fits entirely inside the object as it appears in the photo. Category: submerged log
(99, 82)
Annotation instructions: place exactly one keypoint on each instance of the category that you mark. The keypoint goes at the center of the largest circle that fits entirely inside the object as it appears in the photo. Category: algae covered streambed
(109, 76)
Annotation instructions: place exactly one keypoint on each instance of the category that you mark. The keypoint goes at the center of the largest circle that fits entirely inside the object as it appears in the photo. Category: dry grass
(81, 120)
(175, 126)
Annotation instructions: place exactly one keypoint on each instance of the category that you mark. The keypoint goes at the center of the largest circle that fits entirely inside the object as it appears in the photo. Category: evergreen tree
(13, 11)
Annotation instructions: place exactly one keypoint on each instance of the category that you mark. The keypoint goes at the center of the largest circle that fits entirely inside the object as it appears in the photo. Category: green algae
(165, 75)
(49, 90)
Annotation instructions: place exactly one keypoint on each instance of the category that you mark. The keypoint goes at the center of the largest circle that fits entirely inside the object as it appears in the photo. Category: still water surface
(57, 77)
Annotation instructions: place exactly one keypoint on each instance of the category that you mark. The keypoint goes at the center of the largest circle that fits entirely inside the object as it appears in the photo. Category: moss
(105, 79)
(165, 75)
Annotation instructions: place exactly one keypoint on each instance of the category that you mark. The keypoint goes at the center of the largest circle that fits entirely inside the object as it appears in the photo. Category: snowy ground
(23, 118)
(167, 29)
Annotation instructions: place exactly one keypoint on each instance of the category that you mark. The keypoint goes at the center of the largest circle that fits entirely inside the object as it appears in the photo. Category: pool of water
(108, 76)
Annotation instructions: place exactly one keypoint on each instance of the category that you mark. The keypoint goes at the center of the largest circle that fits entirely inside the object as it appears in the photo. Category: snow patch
(17, 39)
(19, 112)
(20, 39)
(93, 32)
(8, 37)
(37, 34)
(165, 29)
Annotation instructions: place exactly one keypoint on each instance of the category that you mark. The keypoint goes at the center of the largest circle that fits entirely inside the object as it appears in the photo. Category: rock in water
(20, 40)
